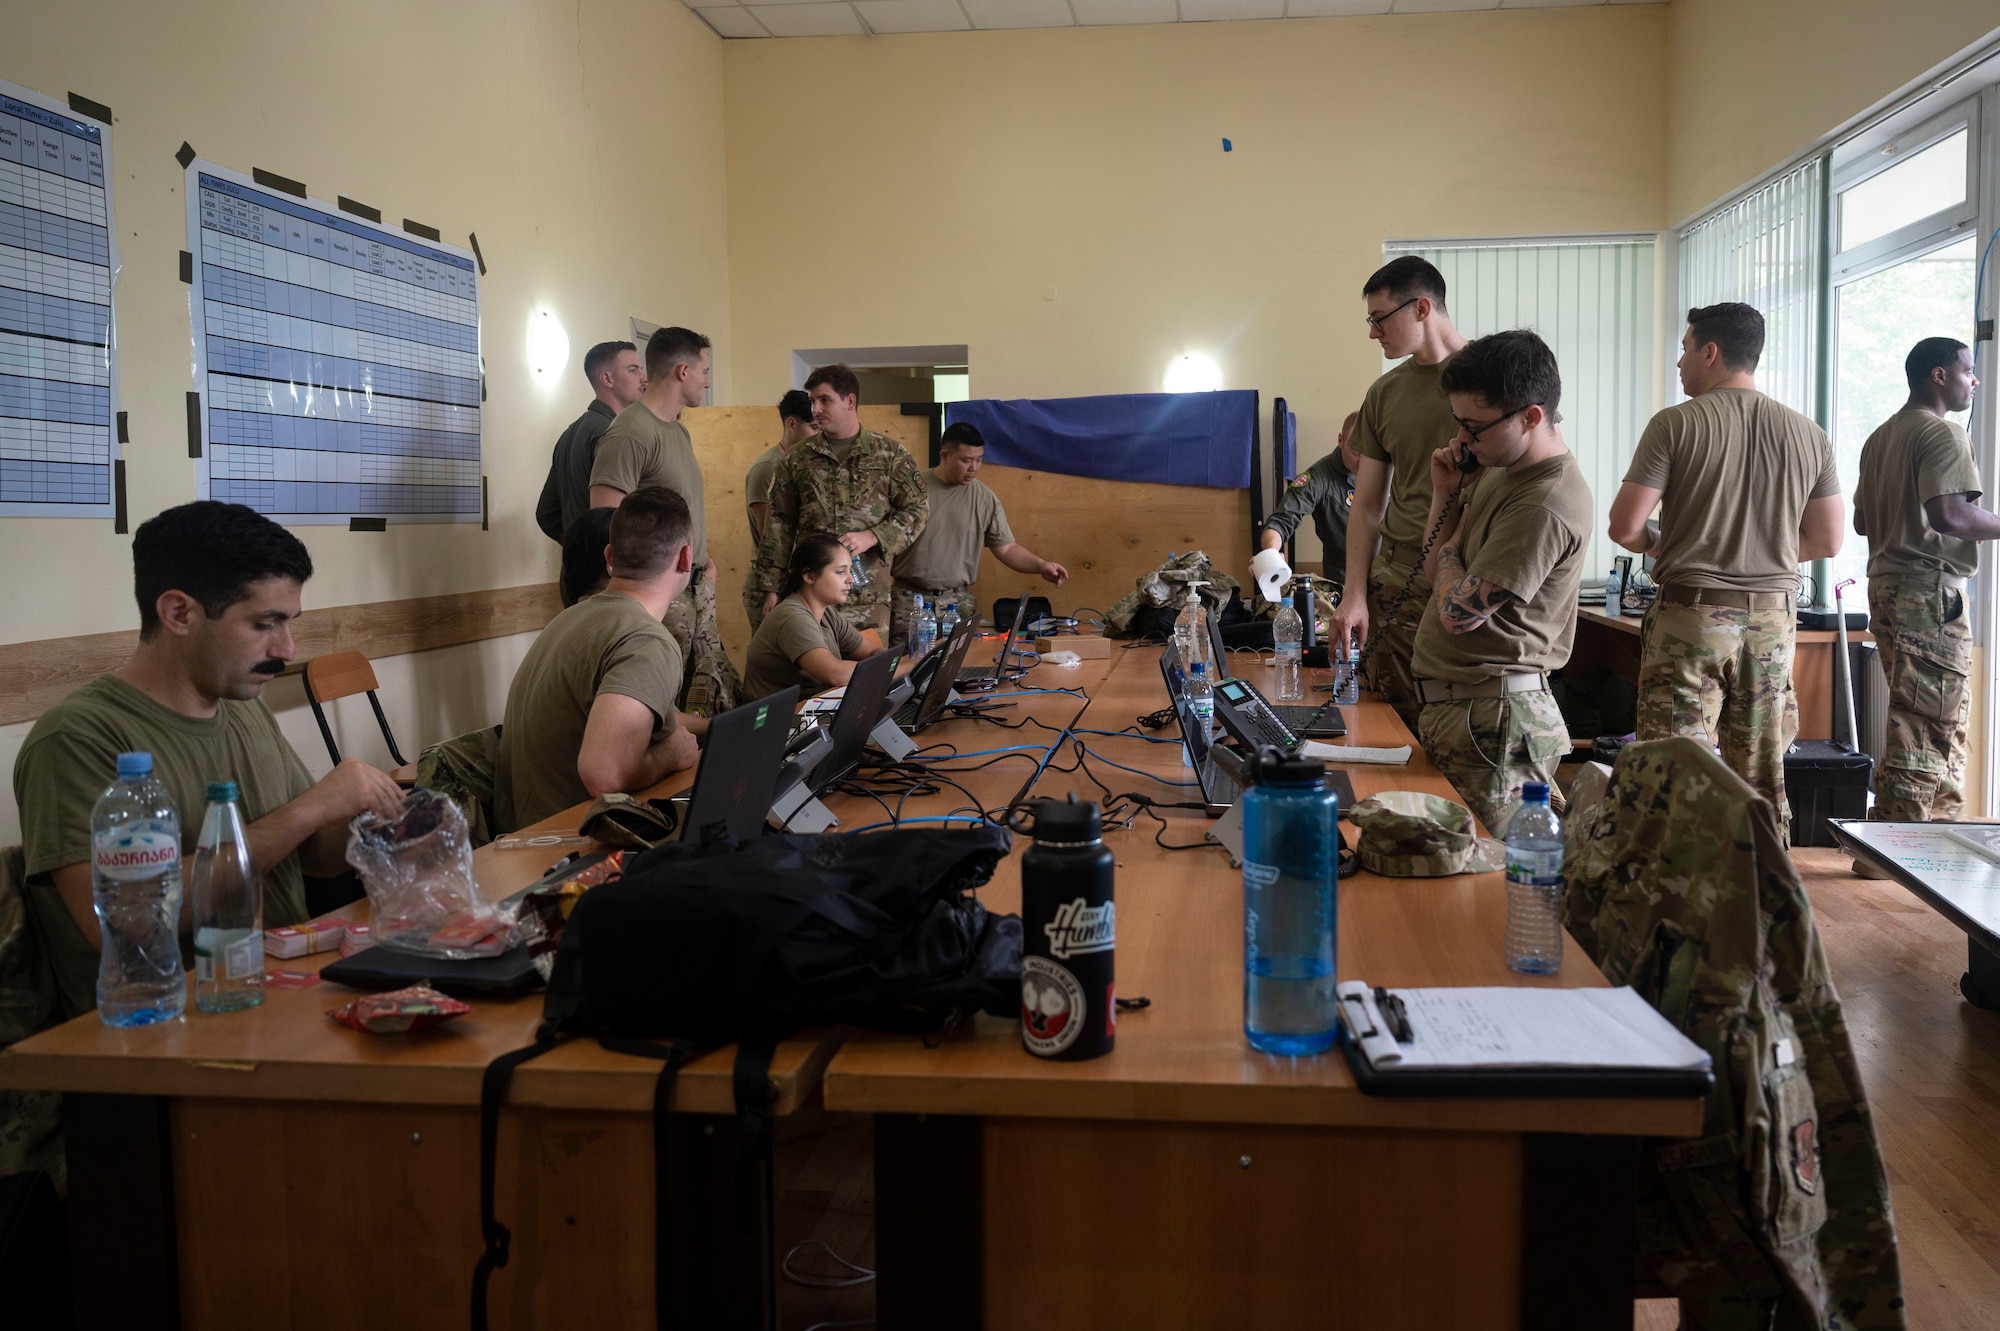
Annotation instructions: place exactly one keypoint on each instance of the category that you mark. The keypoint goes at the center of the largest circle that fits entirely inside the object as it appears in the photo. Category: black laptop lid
(739, 766)
(860, 706)
(944, 673)
(999, 667)
(1216, 786)
(1216, 648)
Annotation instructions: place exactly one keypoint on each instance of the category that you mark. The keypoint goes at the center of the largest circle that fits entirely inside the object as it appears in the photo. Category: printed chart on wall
(337, 361)
(58, 260)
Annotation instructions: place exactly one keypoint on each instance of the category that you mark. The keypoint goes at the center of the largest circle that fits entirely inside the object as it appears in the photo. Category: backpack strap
(492, 1094)
(751, 1080)
(672, 1057)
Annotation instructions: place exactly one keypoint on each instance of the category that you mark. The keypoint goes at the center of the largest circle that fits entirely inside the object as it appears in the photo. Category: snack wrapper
(302, 940)
(417, 1008)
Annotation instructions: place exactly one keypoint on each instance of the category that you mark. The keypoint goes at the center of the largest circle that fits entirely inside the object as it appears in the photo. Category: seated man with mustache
(218, 588)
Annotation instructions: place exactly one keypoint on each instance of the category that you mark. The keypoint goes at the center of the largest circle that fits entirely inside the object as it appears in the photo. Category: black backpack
(698, 945)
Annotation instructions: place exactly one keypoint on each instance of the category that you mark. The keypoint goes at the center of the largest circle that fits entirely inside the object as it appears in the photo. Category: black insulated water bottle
(1069, 933)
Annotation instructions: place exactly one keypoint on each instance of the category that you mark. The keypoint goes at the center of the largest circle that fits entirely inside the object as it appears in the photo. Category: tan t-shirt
(71, 755)
(963, 518)
(1403, 420)
(1527, 530)
(1736, 470)
(787, 633)
(757, 485)
(607, 643)
(639, 450)
(1912, 458)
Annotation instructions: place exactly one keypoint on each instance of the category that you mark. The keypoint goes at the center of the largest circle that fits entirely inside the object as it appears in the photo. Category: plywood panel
(1212, 1225)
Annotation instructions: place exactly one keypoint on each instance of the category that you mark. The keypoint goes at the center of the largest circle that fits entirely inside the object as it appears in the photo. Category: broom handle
(1846, 665)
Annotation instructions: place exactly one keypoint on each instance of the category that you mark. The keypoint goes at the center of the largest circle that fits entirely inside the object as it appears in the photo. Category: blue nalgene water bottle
(1534, 884)
(135, 880)
(1291, 865)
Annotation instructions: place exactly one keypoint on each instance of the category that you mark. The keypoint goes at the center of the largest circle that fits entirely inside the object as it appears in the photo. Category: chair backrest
(339, 675)
(342, 675)
(1679, 884)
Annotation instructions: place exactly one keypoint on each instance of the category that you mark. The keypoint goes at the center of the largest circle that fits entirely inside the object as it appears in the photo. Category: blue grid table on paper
(56, 448)
(339, 362)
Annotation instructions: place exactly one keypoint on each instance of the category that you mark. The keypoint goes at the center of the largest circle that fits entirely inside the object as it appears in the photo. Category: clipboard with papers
(1515, 1043)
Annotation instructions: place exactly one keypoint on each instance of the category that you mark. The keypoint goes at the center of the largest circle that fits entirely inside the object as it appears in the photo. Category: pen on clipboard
(1395, 1014)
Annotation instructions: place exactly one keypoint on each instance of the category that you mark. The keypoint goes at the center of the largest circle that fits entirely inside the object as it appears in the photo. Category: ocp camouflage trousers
(902, 606)
(1926, 645)
(753, 598)
(1388, 668)
(709, 682)
(868, 607)
(1723, 676)
(1489, 747)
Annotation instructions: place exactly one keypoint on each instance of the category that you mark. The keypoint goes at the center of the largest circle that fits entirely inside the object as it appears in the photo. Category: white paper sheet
(1502, 1027)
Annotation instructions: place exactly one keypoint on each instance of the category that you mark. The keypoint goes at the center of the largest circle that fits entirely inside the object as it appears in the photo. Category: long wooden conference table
(269, 1168)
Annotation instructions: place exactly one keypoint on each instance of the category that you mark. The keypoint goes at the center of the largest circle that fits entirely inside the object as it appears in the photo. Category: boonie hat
(1406, 834)
(626, 822)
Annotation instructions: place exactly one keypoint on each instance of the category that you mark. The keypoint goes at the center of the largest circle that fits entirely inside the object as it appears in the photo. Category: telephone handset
(1466, 462)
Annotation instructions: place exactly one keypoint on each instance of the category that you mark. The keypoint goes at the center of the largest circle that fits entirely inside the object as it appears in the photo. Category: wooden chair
(342, 675)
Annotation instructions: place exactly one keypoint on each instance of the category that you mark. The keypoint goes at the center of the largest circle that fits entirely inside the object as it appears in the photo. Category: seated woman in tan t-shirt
(802, 641)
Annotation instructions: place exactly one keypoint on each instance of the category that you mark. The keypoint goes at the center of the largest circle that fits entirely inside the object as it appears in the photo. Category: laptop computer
(860, 709)
(1312, 722)
(933, 679)
(1219, 790)
(739, 768)
(986, 677)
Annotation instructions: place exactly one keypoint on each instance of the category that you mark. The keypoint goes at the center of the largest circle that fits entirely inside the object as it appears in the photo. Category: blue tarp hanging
(1167, 438)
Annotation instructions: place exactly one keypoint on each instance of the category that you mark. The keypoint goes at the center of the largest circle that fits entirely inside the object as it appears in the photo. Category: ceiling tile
(1206, 11)
(1019, 13)
(1334, 8)
(808, 20)
(1547, 4)
(731, 21)
(1124, 11)
(1442, 6)
(913, 15)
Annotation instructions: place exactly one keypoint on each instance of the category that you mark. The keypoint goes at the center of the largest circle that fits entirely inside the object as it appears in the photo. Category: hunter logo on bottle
(1069, 931)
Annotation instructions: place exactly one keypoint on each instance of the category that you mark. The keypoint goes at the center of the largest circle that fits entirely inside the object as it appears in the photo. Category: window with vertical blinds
(1764, 250)
(1591, 300)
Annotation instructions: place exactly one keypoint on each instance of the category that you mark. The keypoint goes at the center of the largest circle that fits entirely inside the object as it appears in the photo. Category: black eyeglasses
(1375, 321)
(1476, 431)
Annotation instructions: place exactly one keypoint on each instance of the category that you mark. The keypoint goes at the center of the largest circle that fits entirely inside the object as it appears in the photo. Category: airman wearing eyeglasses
(1512, 538)
(1404, 420)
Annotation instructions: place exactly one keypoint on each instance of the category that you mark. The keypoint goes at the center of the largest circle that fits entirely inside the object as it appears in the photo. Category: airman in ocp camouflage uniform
(1915, 504)
(1679, 884)
(850, 483)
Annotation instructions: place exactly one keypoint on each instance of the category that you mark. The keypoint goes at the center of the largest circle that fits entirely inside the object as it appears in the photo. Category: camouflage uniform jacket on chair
(877, 488)
(1679, 884)
(1167, 586)
(462, 767)
(30, 1121)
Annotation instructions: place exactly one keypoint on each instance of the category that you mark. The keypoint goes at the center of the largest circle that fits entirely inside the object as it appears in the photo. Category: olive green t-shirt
(1403, 420)
(757, 485)
(963, 518)
(787, 633)
(1735, 469)
(639, 450)
(1527, 530)
(605, 644)
(71, 755)
(1912, 458)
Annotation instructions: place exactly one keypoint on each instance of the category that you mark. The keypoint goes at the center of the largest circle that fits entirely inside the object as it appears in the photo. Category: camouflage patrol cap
(626, 822)
(1405, 834)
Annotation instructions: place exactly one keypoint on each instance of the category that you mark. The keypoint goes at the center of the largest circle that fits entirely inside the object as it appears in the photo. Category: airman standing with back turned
(1404, 420)
(1915, 504)
(851, 483)
(1747, 490)
(795, 423)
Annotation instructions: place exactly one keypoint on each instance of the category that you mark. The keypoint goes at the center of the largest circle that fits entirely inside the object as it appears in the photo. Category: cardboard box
(1088, 647)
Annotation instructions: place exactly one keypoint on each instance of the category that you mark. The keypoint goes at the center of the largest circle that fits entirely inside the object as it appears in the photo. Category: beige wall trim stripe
(34, 676)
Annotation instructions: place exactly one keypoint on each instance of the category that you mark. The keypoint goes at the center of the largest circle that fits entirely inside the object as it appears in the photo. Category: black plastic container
(1069, 935)
(1824, 779)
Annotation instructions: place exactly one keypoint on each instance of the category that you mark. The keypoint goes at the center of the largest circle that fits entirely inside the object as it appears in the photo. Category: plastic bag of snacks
(417, 868)
(417, 1008)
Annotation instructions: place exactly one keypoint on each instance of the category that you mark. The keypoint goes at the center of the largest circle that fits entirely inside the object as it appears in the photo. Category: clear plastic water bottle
(1613, 593)
(923, 628)
(857, 574)
(135, 878)
(226, 901)
(1534, 884)
(1291, 870)
(947, 621)
(1347, 673)
(1201, 701)
(1287, 632)
(1191, 628)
